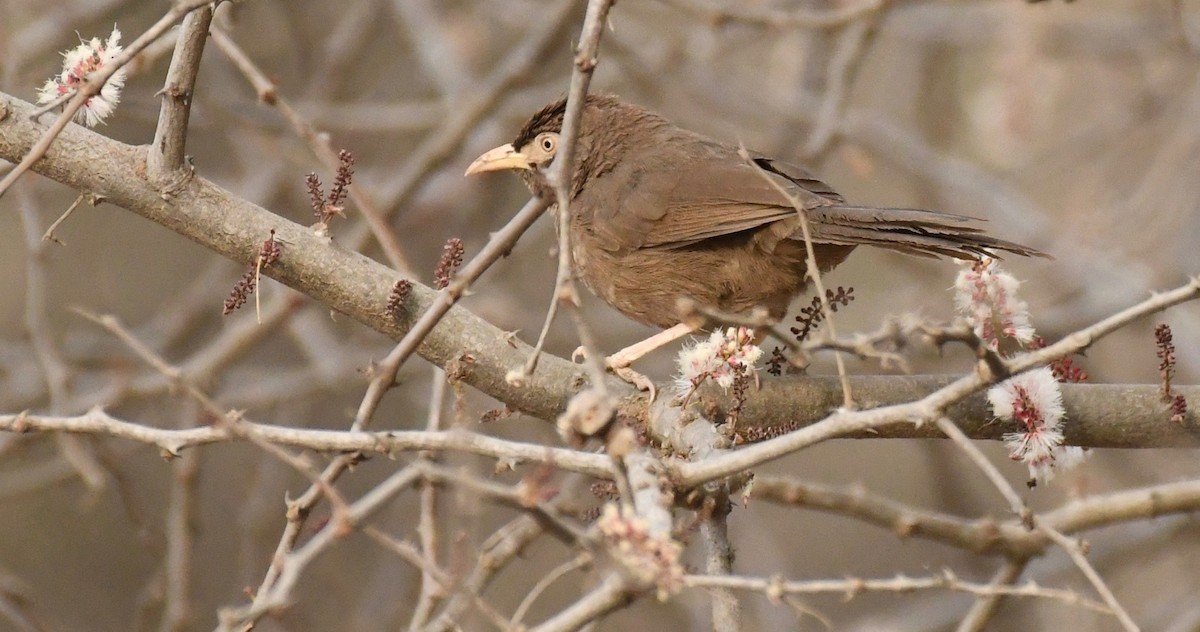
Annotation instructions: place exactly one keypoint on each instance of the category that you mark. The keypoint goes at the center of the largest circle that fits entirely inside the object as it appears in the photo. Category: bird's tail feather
(912, 231)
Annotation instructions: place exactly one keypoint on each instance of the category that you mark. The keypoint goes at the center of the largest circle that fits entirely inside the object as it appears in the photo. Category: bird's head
(537, 144)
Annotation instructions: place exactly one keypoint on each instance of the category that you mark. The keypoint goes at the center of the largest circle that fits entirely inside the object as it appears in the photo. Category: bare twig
(985, 605)
(850, 48)
(718, 561)
(776, 587)
(499, 245)
(166, 153)
(54, 368)
(560, 176)
(81, 198)
(431, 589)
(604, 598)
(781, 18)
(579, 561)
(496, 552)
(172, 441)
(295, 563)
(1076, 554)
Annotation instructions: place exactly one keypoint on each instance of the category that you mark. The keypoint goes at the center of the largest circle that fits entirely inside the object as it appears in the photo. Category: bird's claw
(619, 366)
(639, 381)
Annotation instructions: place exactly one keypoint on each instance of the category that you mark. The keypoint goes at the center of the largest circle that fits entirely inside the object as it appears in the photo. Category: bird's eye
(547, 142)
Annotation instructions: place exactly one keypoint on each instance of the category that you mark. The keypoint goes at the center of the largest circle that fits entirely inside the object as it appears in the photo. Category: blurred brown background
(1073, 127)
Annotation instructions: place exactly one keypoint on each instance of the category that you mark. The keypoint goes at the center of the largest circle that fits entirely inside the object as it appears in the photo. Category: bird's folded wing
(677, 204)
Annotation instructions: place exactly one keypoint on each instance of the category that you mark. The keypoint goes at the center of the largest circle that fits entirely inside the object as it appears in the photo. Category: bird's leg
(619, 362)
(635, 351)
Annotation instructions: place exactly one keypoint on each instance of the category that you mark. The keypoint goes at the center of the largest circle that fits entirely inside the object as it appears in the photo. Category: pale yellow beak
(502, 157)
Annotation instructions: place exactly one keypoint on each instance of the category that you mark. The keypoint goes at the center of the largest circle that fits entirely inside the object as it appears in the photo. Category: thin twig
(1028, 518)
(179, 530)
(986, 605)
(49, 234)
(1015, 504)
(848, 53)
(604, 598)
(781, 18)
(54, 368)
(494, 555)
(560, 175)
(229, 421)
(431, 589)
(718, 561)
(166, 154)
(1076, 554)
(777, 587)
(172, 441)
(296, 562)
(499, 245)
(579, 561)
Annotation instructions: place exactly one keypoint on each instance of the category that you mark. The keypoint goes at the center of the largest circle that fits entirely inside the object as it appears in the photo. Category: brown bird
(660, 213)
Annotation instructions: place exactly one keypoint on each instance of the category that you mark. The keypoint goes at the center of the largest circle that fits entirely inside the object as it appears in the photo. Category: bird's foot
(618, 364)
(639, 381)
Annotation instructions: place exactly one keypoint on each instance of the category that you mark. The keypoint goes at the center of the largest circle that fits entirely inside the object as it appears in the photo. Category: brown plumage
(659, 213)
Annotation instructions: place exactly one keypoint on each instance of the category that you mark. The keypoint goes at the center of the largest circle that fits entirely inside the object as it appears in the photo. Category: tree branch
(1101, 415)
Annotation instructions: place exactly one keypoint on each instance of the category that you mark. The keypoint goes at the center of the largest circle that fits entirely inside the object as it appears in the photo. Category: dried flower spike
(342, 180)
(1165, 341)
(268, 253)
(810, 317)
(776, 362)
(1064, 369)
(1179, 408)
(315, 197)
(326, 208)
(240, 293)
(397, 297)
(452, 256)
(78, 64)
